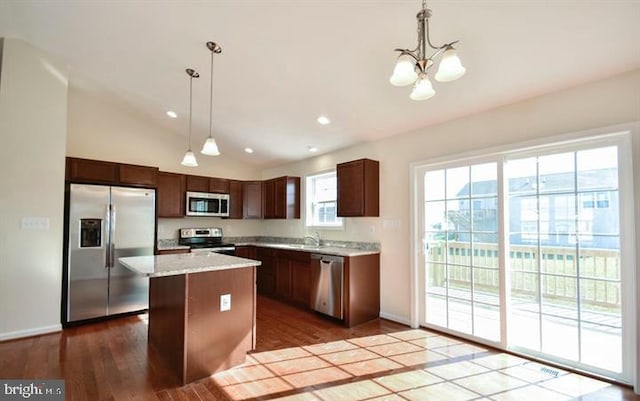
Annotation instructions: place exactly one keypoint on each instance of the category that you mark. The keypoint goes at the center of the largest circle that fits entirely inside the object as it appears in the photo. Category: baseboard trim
(396, 318)
(12, 335)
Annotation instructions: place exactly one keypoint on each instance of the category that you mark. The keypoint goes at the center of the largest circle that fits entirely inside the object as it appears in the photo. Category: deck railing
(599, 271)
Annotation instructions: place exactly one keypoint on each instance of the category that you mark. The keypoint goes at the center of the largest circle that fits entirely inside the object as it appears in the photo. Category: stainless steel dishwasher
(327, 283)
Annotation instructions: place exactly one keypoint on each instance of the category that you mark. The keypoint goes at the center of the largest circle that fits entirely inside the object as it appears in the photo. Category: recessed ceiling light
(248, 150)
(324, 120)
(172, 114)
(312, 149)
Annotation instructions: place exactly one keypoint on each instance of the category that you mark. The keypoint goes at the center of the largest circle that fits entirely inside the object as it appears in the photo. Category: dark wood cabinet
(171, 251)
(301, 282)
(282, 198)
(198, 183)
(138, 175)
(291, 277)
(268, 199)
(235, 199)
(103, 172)
(247, 251)
(358, 188)
(266, 276)
(219, 185)
(252, 200)
(283, 277)
(286, 275)
(170, 194)
(361, 289)
(91, 171)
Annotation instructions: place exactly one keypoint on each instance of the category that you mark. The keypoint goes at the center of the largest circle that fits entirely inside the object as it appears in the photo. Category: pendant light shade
(423, 89)
(189, 159)
(404, 72)
(450, 67)
(210, 147)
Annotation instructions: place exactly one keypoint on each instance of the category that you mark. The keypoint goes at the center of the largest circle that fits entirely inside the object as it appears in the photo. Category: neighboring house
(555, 211)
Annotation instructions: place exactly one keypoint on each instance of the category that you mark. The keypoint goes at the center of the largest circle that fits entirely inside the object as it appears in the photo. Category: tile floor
(412, 365)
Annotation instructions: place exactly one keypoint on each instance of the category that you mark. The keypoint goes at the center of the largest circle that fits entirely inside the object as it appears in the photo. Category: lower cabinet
(293, 276)
(246, 251)
(283, 278)
(300, 282)
(286, 275)
(266, 275)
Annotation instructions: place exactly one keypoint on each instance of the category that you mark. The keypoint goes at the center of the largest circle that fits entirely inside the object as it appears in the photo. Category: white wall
(602, 103)
(33, 115)
(103, 129)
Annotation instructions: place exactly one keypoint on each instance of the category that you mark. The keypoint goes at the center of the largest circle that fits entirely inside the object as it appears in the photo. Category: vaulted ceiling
(285, 62)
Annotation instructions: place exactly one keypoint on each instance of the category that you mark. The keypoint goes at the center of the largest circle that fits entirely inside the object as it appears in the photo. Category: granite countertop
(337, 248)
(325, 250)
(183, 263)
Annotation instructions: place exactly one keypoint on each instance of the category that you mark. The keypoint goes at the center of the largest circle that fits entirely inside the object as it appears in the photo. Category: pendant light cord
(190, 107)
(211, 99)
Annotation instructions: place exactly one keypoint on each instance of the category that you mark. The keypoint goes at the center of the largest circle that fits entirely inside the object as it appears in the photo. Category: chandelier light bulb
(404, 72)
(210, 147)
(450, 67)
(423, 89)
(189, 159)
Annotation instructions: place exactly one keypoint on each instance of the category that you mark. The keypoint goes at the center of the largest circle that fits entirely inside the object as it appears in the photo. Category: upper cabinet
(235, 199)
(252, 200)
(196, 183)
(138, 175)
(359, 188)
(102, 172)
(170, 194)
(281, 198)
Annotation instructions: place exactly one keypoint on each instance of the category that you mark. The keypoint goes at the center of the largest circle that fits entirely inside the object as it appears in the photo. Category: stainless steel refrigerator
(106, 223)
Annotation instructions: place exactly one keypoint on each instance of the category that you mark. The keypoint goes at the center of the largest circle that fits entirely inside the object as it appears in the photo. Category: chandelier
(413, 65)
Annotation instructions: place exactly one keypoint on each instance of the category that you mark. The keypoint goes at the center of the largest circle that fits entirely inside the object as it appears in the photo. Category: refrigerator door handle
(107, 233)
(112, 236)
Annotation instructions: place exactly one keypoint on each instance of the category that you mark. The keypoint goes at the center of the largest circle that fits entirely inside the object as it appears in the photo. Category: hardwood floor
(111, 361)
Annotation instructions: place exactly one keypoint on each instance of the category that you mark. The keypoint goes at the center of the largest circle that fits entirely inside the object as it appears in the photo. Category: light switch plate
(35, 223)
(225, 302)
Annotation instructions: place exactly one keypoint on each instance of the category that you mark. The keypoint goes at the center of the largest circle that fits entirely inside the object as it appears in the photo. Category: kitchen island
(201, 310)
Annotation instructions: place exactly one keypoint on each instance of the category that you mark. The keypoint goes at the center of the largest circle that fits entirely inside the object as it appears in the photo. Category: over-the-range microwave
(207, 204)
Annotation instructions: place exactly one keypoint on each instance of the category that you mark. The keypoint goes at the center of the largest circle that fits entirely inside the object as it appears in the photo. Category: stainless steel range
(205, 240)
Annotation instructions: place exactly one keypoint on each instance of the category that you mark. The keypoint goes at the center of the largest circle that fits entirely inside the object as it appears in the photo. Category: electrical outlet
(225, 302)
(35, 223)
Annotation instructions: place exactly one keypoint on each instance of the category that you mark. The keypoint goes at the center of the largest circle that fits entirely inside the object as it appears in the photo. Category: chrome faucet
(315, 239)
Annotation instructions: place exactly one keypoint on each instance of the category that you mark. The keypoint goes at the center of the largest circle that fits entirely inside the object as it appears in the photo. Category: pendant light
(189, 159)
(412, 65)
(210, 146)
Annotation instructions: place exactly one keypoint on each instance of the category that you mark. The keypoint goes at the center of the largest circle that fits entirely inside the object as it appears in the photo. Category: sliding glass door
(461, 246)
(564, 256)
(525, 251)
